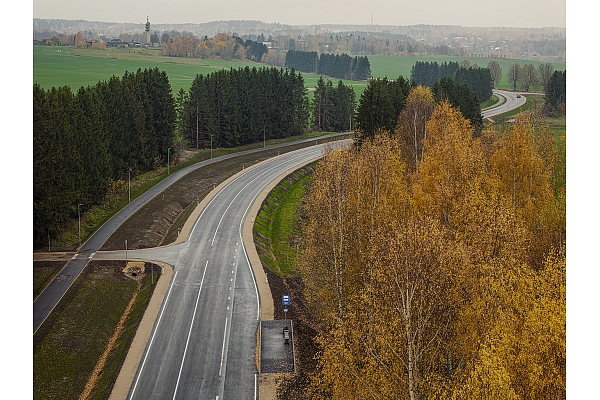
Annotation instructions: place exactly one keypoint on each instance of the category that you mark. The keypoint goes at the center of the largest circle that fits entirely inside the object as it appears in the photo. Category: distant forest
(340, 66)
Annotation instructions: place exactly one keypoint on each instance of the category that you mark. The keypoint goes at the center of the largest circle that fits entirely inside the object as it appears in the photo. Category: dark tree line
(333, 106)
(461, 97)
(254, 50)
(479, 80)
(381, 103)
(340, 66)
(243, 106)
(305, 61)
(556, 93)
(383, 100)
(84, 141)
(427, 74)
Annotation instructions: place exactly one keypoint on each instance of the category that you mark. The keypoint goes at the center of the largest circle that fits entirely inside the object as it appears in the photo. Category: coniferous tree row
(479, 80)
(556, 93)
(333, 107)
(461, 97)
(85, 141)
(380, 104)
(427, 74)
(383, 100)
(340, 66)
(245, 105)
(305, 61)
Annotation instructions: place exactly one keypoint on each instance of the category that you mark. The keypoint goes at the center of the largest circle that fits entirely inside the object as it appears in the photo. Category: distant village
(546, 44)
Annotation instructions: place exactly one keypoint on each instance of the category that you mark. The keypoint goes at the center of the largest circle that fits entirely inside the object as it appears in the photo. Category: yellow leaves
(426, 285)
(452, 160)
(412, 125)
(487, 380)
(521, 169)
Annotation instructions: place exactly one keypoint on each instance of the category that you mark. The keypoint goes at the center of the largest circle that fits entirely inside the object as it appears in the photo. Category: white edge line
(241, 228)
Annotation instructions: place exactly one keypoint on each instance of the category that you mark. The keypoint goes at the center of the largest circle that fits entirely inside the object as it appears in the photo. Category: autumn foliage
(443, 280)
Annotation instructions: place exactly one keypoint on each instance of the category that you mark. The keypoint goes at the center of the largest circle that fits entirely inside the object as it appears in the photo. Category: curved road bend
(510, 103)
(204, 340)
(49, 298)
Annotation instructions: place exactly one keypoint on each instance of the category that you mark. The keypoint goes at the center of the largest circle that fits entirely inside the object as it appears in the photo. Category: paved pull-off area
(276, 355)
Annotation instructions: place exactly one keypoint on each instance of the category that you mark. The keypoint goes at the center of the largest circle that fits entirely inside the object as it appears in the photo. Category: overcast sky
(509, 13)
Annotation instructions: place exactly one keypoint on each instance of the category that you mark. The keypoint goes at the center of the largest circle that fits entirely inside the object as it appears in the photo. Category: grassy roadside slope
(68, 345)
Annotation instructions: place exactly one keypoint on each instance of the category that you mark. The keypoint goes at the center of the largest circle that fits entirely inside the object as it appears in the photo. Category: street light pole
(264, 141)
(169, 161)
(125, 252)
(129, 181)
(211, 146)
(79, 222)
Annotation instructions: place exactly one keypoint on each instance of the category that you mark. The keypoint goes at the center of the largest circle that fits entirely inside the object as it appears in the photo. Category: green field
(60, 66)
(69, 66)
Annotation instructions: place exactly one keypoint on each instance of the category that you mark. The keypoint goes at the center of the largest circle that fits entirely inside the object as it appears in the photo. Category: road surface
(508, 101)
(204, 340)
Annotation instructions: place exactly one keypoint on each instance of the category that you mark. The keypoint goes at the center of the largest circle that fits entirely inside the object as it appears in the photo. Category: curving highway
(204, 340)
(508, 101)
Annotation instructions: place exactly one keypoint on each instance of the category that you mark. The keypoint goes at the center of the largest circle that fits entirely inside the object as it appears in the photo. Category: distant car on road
(518, 96)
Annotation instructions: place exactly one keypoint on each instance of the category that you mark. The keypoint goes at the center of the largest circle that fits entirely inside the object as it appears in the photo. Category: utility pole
(79, 222)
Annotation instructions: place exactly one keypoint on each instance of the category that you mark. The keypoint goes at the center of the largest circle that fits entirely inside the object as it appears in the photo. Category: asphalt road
(49, 298)
(510, 102)
(204, 340)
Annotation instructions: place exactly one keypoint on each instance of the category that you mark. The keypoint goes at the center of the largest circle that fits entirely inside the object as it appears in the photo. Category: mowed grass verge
(68, 345)
(276, 227)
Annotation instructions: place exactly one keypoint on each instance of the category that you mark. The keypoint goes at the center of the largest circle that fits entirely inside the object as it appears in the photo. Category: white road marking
(153, 335)
(190, 331)
(223, 350)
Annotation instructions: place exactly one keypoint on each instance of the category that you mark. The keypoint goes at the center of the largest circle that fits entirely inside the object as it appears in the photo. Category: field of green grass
(69, 66)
